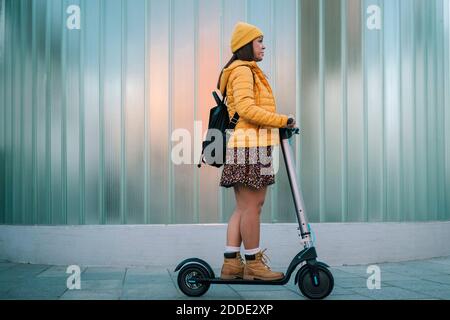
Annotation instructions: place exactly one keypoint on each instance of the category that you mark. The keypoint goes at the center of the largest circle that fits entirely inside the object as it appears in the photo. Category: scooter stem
(285, 135)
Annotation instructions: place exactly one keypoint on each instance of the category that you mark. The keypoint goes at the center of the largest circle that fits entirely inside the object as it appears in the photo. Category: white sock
(232, 249)
(251, 252)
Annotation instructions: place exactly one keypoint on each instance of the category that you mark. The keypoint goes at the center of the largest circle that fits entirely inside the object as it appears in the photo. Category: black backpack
(219, 122)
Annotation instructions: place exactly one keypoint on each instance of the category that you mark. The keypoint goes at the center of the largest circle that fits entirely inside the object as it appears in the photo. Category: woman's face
(258, 48)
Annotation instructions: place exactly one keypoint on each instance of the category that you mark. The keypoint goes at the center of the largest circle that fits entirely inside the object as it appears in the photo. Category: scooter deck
(243, 281)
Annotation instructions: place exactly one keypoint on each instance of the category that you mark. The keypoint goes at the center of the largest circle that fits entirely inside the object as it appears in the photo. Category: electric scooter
(314, 279)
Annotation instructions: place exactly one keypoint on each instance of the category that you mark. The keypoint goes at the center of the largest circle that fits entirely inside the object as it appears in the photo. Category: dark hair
(245, 53)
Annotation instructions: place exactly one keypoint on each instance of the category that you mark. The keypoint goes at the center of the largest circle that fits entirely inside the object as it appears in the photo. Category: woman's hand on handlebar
(291, 122)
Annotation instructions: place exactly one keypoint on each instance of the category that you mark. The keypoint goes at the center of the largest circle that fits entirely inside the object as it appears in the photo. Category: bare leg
(250, 202)
(234, 238)
(233, 233)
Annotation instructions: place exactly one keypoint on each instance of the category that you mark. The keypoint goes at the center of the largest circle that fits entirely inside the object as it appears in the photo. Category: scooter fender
(196, 261)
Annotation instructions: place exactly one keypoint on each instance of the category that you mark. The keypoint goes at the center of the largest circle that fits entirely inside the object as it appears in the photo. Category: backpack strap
(235, 118)
(234, 121)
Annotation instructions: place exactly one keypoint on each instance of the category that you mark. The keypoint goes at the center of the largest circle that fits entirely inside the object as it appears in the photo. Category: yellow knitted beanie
(243, 33)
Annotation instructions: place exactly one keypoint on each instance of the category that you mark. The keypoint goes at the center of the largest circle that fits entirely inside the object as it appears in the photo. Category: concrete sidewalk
(425, 279)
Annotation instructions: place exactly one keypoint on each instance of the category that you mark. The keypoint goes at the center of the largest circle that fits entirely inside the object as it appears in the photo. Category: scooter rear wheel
(188, 280)
(308, 285)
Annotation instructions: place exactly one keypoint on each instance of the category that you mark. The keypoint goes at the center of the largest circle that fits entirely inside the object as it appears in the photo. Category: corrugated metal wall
(87, 114)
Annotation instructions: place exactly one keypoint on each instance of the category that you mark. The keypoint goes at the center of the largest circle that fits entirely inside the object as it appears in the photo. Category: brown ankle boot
(258, 269)
(233, 268)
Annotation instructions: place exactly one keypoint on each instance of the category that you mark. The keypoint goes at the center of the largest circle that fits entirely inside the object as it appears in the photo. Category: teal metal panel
(407, 107)
(25, 113)
(159, 110)
(440, 111)
(57, 117)
(421, 167)
(310, 108)
(446, 65)
(182, 105)
(2, 113)
(354, 161)
(87, 115)
(430, 211)
(90, 114)
(16, 111)
(392, 110)
(134, 112)
(6, 64)
(111, 108)
(73, 127)
(42, 36)
(332, 112)
(374, 129)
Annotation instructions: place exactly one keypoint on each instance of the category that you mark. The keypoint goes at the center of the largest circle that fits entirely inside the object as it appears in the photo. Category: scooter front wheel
(188, 280)
(312, 287)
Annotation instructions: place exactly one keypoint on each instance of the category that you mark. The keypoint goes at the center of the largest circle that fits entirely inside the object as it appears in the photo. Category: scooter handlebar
(287, 133)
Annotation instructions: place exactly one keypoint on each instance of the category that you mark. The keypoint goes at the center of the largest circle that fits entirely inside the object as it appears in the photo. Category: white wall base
(166, 245)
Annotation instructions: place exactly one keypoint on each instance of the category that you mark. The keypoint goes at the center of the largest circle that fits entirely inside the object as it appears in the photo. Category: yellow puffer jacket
(250, 95)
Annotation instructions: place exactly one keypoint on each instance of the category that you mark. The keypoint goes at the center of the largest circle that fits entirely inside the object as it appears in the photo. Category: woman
(250, 95)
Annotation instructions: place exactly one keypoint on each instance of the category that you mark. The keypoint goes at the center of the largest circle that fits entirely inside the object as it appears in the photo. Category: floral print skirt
(251, 167)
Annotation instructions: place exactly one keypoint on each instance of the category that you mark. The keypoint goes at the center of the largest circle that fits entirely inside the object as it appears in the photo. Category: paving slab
(391, 293)
(424, 279)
